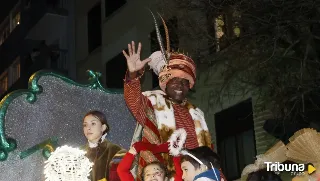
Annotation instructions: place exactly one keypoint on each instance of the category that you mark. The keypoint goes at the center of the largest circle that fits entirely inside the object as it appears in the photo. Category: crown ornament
(168, 63)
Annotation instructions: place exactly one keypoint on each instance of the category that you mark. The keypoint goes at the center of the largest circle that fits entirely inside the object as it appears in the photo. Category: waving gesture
(133, 59)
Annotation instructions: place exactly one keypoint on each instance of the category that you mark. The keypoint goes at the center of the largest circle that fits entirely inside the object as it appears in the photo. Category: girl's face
(154, 172)
(93, 128)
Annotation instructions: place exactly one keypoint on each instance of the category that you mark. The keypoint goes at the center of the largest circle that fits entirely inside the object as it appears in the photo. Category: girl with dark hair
(104, 154)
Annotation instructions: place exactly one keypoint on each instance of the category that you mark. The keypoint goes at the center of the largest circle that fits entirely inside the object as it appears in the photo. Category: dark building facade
(34, 35)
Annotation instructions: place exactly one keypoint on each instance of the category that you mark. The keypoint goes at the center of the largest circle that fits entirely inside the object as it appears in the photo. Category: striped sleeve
(118, 156)
(135, 101)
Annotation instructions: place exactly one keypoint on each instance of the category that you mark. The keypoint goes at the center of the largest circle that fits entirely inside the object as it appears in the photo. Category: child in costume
(154, 170)
(104, 154)
(201, 164)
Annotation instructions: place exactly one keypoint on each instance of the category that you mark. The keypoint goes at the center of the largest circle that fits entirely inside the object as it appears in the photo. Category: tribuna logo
(280, 167)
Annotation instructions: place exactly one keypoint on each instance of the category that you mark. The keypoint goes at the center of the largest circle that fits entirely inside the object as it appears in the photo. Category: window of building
(10, 22)
(4, 33)
(112, 5)
(115, 71)
(223, 28)
(1, 38)
(4, 82)
(220, 30)
(220, 27)
(172, 25)
(236, 23)
(15, 70)
(15, 20)
(235, 138)
(94, 28)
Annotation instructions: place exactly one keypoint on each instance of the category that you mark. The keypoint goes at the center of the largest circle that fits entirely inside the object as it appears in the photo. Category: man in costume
(162, 111)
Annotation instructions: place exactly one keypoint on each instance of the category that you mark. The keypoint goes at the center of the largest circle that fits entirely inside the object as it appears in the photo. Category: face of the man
(154, 172)
(177, 89)
(93, 128)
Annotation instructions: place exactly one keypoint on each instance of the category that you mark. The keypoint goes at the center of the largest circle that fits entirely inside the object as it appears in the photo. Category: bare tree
(268, 47)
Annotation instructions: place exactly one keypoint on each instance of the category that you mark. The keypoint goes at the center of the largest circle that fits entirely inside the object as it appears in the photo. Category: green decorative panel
(50, 112)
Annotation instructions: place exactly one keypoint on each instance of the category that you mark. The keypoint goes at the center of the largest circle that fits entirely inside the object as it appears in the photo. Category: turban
(179, 65)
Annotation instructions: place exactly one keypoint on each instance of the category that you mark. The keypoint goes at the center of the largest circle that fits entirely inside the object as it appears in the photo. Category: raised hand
(133, 58)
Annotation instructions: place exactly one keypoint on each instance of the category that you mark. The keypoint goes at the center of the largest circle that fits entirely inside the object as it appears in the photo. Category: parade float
(35, 121)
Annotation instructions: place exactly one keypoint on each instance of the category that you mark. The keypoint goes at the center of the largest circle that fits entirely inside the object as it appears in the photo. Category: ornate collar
(183, 103)
(93, 145)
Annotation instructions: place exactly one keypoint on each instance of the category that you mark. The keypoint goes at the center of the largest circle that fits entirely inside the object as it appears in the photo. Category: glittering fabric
(58, 111)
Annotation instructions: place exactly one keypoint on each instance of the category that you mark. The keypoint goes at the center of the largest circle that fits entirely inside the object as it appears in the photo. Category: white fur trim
(197, 114)
(200, 112)
(157, 62)
(198, 130)
(205, 179)
(183, 136)
(149, 93)
(163, 117)
(153, 100)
